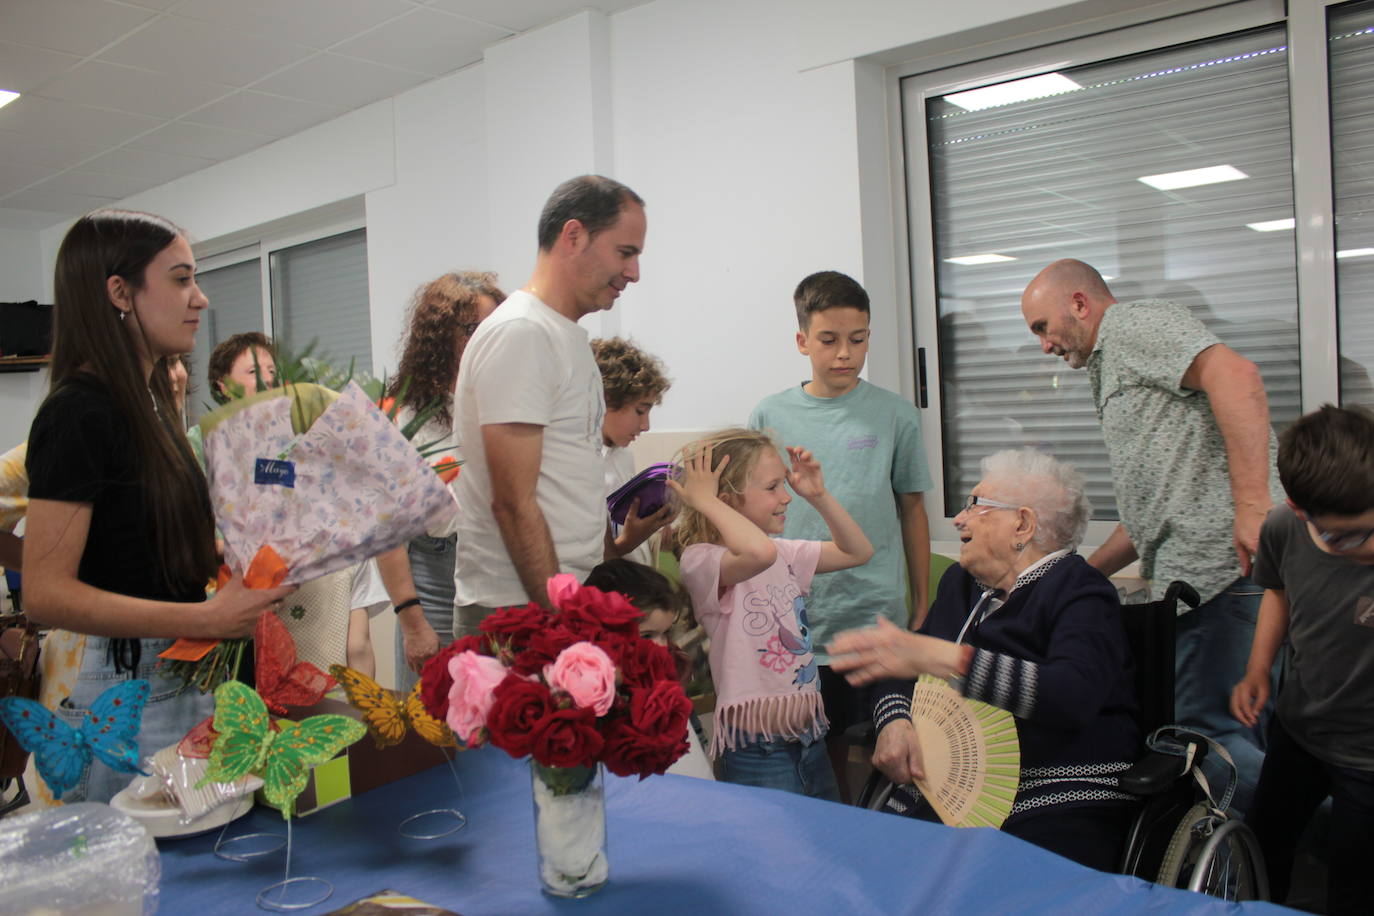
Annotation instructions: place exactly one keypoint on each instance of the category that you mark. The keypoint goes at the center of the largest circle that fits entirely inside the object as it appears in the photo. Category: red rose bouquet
(570, 687)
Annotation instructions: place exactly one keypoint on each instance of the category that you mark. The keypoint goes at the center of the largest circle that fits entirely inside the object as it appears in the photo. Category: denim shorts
(786, 764)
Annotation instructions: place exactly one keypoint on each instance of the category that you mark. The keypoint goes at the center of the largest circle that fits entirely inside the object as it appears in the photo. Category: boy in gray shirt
(1316, 564)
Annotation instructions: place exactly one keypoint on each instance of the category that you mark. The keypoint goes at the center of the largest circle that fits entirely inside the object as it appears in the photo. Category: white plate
(162, 820)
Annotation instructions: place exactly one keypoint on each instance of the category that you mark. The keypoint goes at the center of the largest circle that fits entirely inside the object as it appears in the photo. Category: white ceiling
(124, 95)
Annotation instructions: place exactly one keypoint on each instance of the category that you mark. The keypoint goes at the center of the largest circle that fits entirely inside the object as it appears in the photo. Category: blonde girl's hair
(744, 446)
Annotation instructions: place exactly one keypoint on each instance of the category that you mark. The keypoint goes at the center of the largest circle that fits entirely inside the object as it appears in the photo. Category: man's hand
(898, 753)
(1249, 518)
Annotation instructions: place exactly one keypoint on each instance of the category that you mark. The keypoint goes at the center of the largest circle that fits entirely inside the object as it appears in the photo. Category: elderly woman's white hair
(1053, 488)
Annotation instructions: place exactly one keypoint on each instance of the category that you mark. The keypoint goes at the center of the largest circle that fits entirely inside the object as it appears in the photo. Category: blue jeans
(1212, 648)
(789, 765)
(169, 714)
(431, 566)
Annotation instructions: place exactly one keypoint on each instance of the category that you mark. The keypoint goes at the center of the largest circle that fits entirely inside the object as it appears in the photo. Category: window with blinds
(319, 296)
(1035, 169)
(1350, 39)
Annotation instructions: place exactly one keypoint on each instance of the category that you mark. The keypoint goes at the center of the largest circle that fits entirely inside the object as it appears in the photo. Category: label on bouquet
(271, 472)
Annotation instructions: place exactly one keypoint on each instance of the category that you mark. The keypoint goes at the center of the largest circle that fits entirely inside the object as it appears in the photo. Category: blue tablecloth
(676, 845)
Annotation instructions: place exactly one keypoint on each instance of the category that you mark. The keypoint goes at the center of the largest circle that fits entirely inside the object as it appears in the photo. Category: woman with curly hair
(442, 317)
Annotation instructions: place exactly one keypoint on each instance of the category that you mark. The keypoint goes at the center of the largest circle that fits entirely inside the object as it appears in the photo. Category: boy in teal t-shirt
(869, 442)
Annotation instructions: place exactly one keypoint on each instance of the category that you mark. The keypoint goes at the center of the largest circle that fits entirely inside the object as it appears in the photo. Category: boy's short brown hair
(1326, 461)
(628, 373)
(827, 289)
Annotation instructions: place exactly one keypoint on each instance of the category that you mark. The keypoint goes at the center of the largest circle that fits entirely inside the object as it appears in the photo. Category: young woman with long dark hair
(119, 543)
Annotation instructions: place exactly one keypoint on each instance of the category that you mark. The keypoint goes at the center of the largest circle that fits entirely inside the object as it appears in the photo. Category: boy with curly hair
(634, 383)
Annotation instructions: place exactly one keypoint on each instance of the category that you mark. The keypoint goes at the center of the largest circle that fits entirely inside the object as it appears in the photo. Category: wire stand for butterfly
(412, 827)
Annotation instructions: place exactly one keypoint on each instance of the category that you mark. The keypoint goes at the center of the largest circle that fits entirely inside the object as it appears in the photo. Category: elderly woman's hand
(887, 651)
(898, 753)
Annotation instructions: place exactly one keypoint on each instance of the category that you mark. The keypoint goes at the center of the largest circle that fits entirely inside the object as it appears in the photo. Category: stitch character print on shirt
(769, 616)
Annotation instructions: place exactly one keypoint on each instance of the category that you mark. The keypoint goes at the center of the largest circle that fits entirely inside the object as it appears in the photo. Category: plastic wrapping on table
(75, 859)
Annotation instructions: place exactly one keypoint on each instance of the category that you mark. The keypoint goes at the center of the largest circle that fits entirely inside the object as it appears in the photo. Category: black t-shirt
(81, 451)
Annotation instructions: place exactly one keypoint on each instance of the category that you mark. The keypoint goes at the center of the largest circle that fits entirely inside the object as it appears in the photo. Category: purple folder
(650, 485)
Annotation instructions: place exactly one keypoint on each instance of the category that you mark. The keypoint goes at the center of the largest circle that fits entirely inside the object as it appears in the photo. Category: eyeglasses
(975, 502)
(1339, 541)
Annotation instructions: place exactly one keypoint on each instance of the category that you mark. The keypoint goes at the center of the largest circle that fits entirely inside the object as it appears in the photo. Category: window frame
(910, 83)
(264, 247)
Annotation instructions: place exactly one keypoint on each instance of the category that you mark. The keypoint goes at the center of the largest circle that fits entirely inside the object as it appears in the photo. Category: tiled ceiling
(123, 95)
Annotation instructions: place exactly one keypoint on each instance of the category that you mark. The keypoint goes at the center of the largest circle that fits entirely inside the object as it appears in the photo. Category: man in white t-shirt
(528, 408)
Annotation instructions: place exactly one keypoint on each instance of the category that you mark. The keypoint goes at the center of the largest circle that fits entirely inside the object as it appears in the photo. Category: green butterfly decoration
(246, 743)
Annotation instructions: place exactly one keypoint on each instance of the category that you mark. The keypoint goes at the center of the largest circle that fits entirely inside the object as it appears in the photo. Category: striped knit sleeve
(891, 701)
(1004, 681)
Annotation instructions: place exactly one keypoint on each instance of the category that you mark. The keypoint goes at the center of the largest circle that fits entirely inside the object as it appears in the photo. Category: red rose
(592, 609)
(566, 738)
(542, 648)
(518, 708)
(642, 663)
(662, 709)
(630, 752)
(515, 624)
(436, 682)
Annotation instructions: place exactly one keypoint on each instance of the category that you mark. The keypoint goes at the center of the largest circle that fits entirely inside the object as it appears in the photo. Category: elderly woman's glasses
(982, 502)
(1340, 541)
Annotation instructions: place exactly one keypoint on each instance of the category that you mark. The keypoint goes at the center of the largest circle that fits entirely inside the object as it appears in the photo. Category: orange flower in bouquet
(570, 687)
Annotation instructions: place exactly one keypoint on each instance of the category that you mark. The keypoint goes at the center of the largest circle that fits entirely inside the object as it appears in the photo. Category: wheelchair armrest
(860, 734)
(1158, 770)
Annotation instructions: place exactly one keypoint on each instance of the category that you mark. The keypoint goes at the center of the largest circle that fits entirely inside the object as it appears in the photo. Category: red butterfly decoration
(282, 681)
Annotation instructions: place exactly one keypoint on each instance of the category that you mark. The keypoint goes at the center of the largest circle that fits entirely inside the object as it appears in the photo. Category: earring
(122, 314)
(1020, 545)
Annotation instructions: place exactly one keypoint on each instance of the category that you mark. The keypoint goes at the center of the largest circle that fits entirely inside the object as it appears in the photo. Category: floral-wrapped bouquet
(570, 687)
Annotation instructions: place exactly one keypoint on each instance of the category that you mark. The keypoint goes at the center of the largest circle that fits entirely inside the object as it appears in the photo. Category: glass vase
(570, 828)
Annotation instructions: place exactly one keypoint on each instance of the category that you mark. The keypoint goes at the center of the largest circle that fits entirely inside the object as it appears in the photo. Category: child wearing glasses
(1316, 563)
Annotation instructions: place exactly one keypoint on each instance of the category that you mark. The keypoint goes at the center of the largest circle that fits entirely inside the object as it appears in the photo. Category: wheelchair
(1183, 836)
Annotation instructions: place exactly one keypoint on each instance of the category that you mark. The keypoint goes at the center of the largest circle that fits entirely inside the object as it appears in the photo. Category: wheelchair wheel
(877, 788)
(1216, 856)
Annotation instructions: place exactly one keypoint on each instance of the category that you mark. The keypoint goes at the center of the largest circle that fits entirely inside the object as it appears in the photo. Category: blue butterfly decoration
(63, 753)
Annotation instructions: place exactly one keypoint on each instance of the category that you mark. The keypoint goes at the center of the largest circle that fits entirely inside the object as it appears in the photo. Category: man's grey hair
(1053, 488)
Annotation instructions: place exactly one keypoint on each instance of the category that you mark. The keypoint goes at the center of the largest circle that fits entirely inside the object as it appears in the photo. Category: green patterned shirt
(1168, 457)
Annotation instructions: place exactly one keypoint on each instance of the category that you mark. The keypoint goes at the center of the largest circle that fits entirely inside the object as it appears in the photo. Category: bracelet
(413, 602)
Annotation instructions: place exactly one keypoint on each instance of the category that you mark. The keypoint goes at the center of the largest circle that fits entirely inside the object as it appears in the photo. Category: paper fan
(971, 754)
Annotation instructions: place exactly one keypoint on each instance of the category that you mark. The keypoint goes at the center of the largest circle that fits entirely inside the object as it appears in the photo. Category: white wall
(747, 126)
(21, 279)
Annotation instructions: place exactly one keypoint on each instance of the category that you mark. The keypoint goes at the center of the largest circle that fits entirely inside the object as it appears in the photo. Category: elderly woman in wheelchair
(1025, 624)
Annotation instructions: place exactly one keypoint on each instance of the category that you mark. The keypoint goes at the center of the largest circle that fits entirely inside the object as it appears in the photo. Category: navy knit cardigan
(1055, 657)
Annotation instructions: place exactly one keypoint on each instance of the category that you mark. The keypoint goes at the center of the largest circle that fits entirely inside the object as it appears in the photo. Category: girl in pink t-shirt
(747, 588)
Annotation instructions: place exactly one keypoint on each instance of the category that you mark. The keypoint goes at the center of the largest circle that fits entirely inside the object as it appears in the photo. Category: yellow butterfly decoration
(386, 715)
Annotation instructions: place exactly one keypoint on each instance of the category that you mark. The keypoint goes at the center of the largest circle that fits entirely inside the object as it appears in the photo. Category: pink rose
(587, 674)
(561, 586)
(474, 679)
